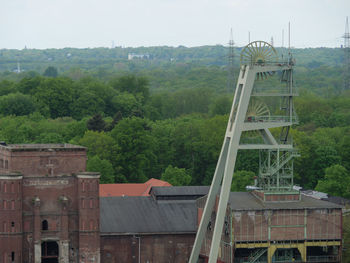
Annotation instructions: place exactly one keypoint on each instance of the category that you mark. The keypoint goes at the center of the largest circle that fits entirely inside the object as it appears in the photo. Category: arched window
(44, 225)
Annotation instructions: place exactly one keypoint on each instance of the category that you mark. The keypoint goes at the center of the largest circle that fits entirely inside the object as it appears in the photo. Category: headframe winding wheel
(259, 53)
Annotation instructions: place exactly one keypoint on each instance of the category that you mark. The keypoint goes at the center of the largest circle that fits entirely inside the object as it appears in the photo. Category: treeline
(133, 135)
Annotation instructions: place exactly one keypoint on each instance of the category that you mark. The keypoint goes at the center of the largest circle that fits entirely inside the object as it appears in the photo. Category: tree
(241, 179)
(104, 167)
(176, 176)
(125, 103)
(135, 146)
(96, 123)
(86, 105)
(50, 72)
(57, 95)
(336, 182)
(17, 104)
(100, 144)
(132, 84)
(50, 137)
(220, 106)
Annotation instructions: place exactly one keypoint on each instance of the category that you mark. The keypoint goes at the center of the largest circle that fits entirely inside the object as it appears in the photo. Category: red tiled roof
(130, 189)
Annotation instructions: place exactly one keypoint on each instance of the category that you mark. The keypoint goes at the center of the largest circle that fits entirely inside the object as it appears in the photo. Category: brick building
(277, 227)
(49, 209)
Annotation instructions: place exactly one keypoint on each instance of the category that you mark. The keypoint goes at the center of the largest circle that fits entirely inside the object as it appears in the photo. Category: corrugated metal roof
(180, 190)
(143, 214)
(247, 201)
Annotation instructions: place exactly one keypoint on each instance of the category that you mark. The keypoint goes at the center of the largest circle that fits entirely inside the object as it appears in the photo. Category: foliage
(104, 167)
(17, 104)
(50, 72)
(141, 116)
(176, 176)
(96, 123)
(135, 146)
(336, 182)
(241, 179)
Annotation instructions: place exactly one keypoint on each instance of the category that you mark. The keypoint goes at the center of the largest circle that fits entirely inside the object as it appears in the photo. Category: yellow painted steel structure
(302, 247)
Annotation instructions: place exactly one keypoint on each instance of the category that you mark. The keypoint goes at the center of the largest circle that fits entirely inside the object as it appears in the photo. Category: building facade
(288, 227)
(49, 205)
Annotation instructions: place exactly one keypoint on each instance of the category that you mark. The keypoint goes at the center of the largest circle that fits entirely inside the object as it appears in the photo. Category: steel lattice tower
(230, 66)
(346, 48)
(251, 117)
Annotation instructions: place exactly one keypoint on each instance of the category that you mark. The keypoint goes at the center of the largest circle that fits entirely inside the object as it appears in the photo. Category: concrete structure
(49, 205)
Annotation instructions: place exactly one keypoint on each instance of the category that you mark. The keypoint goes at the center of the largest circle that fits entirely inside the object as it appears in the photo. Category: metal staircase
(256, 255)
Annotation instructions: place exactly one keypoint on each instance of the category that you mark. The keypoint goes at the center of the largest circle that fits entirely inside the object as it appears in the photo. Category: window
(1, 163)
(12, 256)
(91, 203)
(12, 187)
(83, 203)
(13, 204)
(12, 226)
(5, 187)
(4, 204)
(83, 186)
(91, 225)
(44, 225)
(82, 225)
(5, 226)
(6, 164)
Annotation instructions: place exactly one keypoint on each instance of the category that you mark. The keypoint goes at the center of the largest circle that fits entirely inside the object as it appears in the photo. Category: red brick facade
(49, 205)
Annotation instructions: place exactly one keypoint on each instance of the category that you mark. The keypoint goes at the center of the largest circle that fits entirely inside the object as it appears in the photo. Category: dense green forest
(165, 117)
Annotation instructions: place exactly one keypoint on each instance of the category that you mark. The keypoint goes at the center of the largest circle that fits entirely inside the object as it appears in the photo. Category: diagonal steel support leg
(214, 190)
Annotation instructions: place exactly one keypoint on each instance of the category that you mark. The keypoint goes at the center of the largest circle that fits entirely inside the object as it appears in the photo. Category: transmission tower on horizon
(346, 48)
(230, 66)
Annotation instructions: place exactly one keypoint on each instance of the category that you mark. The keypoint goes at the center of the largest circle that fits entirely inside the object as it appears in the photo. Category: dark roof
(142, 214)
(337, 200)
(180, 191)
(247, 201)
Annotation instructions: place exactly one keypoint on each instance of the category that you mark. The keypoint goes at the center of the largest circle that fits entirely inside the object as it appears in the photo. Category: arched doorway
(49, 252)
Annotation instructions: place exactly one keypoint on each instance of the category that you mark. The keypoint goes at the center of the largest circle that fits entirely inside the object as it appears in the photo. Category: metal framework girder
(265, 146)
(270, 68)
(226, 163)
(251, 126)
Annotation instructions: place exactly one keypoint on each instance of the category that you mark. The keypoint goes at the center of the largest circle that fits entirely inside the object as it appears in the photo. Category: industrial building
(301, 229)
(51, 211)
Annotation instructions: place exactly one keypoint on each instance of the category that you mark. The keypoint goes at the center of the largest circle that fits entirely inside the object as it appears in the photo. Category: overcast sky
(96, 23)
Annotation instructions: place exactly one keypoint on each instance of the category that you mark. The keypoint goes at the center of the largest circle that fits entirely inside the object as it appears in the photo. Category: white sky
(96, 23)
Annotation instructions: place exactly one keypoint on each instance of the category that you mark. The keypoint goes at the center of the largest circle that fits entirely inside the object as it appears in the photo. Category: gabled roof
(143, 214)
(130, 189)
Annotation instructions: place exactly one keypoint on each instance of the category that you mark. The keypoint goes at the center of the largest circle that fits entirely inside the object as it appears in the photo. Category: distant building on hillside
(132, 56)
